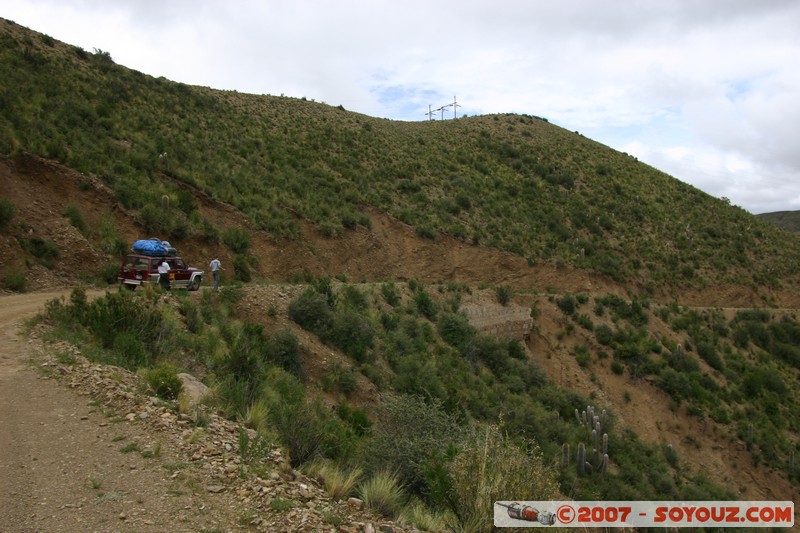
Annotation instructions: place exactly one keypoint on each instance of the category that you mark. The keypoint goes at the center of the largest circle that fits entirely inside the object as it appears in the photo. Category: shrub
(283, 349)
(109, 273)
(340, 379)
(708, 352)
(516, 350)
(45, 251)
(567, 304)
(164, 381)
(7, 212)
(15, 281)
(416, 373)
(356, 418)
(408, 432)
(455, 329)
(306, 429)
(238, 240)
(352, 333)
(604, 334)
(338, 481)
(425, 304)
(352, 298)
(153, 220)
(390, 294)
(491, 351)
(383, 493)
(111, 242)
(417, 515)
(75, 218)
(491, 466)
(131, 351)
(241, 268)
(299, 429)
(503, 294)
(311, 312)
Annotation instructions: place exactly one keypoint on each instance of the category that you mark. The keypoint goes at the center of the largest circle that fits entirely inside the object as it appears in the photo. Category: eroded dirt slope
(42, 191)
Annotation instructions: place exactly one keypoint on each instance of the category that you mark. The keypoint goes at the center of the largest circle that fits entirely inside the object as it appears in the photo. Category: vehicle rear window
(137, 262)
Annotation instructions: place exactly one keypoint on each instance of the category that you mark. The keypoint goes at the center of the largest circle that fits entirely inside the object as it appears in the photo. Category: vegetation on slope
(512, 182)
(447, 390)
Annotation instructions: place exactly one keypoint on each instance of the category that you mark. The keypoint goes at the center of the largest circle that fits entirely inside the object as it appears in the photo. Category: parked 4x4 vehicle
(141, 269)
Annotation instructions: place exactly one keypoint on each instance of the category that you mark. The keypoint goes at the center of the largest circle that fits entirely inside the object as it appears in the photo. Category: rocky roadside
(205, 452)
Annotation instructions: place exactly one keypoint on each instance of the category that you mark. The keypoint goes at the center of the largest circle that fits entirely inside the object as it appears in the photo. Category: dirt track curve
(61, 464)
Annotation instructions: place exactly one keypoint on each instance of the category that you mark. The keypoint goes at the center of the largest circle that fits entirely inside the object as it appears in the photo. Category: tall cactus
(597, 462)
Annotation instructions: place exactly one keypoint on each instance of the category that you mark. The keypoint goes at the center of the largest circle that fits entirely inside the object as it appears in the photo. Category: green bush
(353, 333)
(425, 304)
(130, 350)
(154, 220)
(283, 349)
(604, 334)
(489, 467)
(455, 329)
(567, 304)
(352, 298)
(133, 316)
(311, 312)
(164, 381)
(238, 240)
(383, 493)
(503, 294)
(708, 352)
(356, 418)
(408, 433)
(7, 212)
(15, 281)
(390, 294)
(109, 273)
(340, 379)
(75, 218)
(45, 251)
(241, 268)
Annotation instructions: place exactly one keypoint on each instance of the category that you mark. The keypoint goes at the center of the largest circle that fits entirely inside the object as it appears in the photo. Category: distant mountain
(788, 220)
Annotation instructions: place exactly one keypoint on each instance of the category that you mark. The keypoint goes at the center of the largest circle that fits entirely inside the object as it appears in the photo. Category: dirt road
(63, 464)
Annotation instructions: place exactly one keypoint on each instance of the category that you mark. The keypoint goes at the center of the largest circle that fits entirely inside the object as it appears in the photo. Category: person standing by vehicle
(216, 266)
(163, 278)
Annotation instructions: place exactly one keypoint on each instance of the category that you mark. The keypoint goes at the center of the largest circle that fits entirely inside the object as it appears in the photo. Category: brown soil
(61, 468)
(45, 414)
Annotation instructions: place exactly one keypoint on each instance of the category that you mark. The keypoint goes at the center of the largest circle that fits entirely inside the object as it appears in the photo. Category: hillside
(514, 183)
(706, 431)
(500, 265)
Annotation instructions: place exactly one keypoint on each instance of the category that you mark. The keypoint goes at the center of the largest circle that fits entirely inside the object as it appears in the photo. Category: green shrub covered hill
(415, 409)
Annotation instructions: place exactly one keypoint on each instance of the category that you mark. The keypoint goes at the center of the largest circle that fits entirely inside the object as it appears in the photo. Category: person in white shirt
(163, 278)
(216, 266)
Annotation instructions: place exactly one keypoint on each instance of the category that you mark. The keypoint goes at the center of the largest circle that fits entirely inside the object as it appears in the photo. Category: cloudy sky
(705, 90)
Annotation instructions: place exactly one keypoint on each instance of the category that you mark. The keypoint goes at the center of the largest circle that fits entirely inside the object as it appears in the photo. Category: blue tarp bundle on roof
(153, 247)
